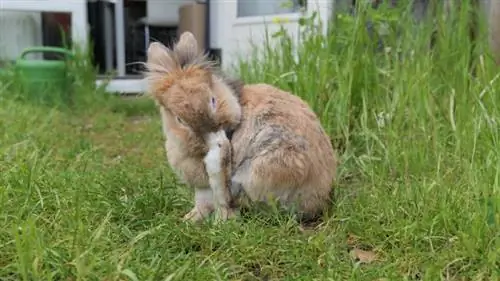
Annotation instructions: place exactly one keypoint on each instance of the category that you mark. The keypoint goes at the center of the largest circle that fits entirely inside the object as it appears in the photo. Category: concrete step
(129, 84)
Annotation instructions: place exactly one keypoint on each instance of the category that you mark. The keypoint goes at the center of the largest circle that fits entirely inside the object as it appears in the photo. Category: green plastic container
(44, 79)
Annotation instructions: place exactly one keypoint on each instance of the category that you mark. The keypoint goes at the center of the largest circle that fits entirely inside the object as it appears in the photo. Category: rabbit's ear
(187, 51)
(187, 42)
(160, 58)
(187, 45)
(160, 62)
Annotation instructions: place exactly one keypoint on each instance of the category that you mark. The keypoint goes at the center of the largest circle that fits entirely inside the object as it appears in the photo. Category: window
(249, 8)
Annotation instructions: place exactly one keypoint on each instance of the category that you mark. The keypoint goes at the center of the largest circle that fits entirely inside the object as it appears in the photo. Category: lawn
(86, 192)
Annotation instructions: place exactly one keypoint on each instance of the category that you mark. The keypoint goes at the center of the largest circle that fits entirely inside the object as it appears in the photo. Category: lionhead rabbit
(278, 150)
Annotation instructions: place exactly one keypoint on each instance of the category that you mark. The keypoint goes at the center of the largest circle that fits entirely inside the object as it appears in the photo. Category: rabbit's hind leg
(267, 178)
(283, 176)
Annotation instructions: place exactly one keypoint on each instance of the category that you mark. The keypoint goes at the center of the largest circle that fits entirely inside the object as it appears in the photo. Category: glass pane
(248, 8)
(18, 31)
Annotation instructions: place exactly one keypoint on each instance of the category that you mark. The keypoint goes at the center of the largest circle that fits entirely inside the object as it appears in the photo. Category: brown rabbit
(279, 148)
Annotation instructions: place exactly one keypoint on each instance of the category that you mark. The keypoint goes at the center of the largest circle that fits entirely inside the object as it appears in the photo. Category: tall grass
(417, 129)
(85, 193)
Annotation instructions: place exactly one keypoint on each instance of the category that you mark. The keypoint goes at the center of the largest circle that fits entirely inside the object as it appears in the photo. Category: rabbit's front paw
(195, 215)
(224, 213)
(218, 157)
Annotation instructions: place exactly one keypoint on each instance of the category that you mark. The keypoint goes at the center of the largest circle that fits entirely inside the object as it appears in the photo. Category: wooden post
(494, 29)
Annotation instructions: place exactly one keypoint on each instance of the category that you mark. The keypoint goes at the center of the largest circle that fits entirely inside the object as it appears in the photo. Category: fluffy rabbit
(280, 151)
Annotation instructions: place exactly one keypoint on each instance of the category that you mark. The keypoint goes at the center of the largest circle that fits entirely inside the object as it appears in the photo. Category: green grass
(86, 194)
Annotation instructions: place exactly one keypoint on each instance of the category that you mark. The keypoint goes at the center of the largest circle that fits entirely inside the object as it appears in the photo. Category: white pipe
(108, 37)
(120, 37)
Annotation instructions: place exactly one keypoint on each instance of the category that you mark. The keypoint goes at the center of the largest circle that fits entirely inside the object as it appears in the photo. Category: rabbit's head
(183, 82)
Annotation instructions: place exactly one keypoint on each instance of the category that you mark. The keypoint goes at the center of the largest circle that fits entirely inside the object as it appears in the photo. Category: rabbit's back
(281, 150)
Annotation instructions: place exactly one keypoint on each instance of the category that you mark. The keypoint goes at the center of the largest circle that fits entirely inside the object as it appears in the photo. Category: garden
(86, 192)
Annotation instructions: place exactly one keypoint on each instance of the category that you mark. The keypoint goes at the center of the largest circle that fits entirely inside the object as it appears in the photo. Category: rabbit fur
(278, 150)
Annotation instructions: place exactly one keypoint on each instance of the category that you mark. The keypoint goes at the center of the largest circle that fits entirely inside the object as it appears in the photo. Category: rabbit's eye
(179, 120)
(212, 102)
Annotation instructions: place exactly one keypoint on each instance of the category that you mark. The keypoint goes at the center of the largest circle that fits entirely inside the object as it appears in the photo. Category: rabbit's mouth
(229, 134)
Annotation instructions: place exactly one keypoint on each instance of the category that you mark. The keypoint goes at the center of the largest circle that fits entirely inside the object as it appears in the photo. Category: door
(237, 24)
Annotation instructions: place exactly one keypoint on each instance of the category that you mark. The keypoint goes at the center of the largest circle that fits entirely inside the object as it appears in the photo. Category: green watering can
(42, 79)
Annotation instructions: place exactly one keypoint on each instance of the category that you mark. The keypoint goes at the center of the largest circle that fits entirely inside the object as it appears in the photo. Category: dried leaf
(363, 256)
(352, 239)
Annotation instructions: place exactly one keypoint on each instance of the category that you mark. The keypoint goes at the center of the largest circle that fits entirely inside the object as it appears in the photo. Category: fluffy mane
(184, 59)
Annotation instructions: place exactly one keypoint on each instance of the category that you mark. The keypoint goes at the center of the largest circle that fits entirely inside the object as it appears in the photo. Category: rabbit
(237, 144)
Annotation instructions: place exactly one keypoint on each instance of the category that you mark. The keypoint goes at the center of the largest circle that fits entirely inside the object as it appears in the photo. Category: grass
(86, 194)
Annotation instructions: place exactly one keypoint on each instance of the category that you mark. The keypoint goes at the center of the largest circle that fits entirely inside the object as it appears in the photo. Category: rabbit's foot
(195, 215)
(224, 213)
(203, 206)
